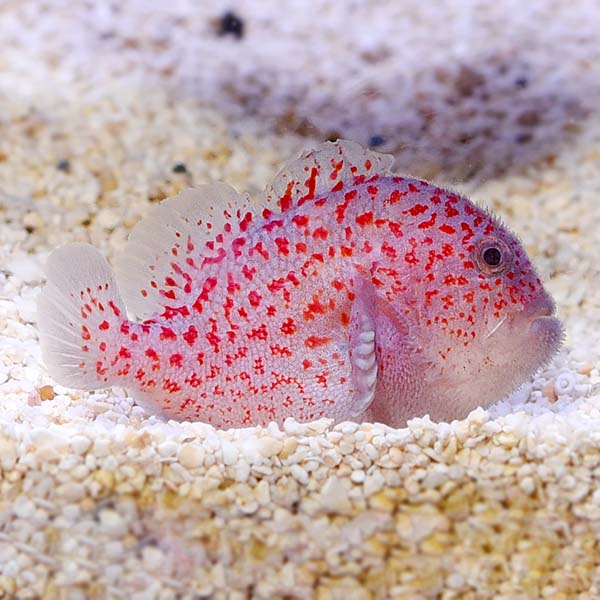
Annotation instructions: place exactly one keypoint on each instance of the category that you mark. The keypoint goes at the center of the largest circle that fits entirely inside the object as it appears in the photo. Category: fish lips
(543, 326)
(538, 326)
(549, 331)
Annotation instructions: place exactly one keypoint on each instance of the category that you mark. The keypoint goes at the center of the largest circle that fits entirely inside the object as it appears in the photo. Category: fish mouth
(543, 325)
(540, 324)
(537, 315)
(548, 326)
(541, 307)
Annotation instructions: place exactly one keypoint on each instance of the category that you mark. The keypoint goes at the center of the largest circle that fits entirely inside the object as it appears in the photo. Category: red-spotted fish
(346, 291)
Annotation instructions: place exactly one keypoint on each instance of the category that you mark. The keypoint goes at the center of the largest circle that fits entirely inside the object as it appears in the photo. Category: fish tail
(80, 315)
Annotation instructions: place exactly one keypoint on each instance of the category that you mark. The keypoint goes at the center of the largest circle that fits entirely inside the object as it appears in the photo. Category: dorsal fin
(161, 263)
(329, 167)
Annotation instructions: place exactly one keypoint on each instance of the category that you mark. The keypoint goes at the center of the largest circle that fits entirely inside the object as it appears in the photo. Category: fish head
(484, 321)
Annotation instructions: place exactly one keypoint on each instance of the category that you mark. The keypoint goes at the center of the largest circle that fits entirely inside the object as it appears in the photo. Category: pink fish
(345, 292)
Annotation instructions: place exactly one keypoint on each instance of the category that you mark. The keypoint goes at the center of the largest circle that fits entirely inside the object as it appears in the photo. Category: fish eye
(493, 256)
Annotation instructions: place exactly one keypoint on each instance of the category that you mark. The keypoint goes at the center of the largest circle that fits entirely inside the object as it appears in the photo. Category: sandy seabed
(102, 105)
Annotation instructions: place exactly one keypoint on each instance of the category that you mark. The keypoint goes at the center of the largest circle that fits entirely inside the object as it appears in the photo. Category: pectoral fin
(362, 352)
(382, 355)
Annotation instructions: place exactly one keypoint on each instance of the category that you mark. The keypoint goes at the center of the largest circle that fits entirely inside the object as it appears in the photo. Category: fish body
(346, 292)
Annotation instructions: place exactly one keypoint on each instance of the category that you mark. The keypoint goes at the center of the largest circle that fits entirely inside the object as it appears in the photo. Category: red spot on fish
(288, 327)
(104, 326)
(254, 298)
(258, 333)
(285, 202)
(175, 360)
(213, 260)
(248, 272)
(100, 369)
(278, 350)
(389, 250)
(270, 225)
(124, 352)
(245, 222)
(193, 380)
(395, 196)
(166, 333)
(429, 294)
(445, 228)
(429, 223)
(320, 233)
(236, 246)
(469, 232)
(396, 229)
(191, 335)
(364, 219)
(340, 209)
(260, 249)
(300, 220)
(450, 210)
(314, 341)
(416, 210)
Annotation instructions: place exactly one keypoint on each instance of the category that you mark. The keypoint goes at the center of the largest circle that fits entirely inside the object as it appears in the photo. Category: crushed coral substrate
(107, 109)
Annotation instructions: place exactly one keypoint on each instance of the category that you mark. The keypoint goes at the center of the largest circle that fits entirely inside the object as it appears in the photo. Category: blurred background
(107, 107)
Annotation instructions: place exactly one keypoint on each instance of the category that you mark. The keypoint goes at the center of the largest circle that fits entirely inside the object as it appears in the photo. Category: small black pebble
(376, 140)
(521, 82)
(179, 168)
(523, 138)
(63, 165)
(231, 24)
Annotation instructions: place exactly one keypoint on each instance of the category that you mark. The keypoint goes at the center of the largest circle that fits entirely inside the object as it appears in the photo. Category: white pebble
(112, 522)
(565, 383)
(299, 474)
(8, 454)
(334, 496)
(191, 456)
(23, 507)
(230, 453)
(152, 558)
(358, 476)
(101, 447)
(168, 448)
(80, 444)
(527, 485)
(268, 446)
(373, 483)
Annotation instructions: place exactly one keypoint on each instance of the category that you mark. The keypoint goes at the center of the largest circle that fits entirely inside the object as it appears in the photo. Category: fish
(345, 291)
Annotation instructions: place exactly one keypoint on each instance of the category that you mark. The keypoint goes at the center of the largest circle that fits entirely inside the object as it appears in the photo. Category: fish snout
(543, 325)
(540, 307)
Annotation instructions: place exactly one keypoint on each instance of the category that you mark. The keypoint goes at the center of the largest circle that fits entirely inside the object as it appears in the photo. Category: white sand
(99, 499)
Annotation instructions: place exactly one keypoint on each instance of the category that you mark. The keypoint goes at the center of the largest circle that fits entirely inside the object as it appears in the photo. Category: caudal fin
(79, 315)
